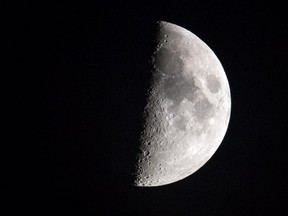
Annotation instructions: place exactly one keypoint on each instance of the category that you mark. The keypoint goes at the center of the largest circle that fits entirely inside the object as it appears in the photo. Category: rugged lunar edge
(187, 111)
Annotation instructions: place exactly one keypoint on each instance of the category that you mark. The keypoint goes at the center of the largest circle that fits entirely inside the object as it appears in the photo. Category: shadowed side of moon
(188, 108)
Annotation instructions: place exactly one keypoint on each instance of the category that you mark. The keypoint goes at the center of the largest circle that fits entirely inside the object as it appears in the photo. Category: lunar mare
(188, 108)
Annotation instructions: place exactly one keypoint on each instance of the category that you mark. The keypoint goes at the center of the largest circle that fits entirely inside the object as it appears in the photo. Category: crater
(213, 84)
(181, 123)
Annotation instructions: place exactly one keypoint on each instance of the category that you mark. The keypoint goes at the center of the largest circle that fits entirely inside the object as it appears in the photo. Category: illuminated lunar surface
(188, 108)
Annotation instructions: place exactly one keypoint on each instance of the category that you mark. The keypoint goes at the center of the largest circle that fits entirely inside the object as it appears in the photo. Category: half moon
(188, 108)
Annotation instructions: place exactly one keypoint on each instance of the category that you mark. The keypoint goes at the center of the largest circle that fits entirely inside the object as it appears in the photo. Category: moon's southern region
(188, 108)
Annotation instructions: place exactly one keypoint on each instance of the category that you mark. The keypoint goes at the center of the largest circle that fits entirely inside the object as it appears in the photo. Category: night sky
(79, 78)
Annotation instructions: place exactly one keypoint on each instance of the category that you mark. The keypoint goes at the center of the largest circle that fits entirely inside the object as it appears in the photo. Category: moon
(188, 108)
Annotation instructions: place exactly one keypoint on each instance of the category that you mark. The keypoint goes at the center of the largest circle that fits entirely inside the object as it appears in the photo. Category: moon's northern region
(188, 108)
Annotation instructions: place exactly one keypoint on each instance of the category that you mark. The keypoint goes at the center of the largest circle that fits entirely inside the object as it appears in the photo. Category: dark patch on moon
(177, 88)
(213, 84)
(203, 109)
(168, 62)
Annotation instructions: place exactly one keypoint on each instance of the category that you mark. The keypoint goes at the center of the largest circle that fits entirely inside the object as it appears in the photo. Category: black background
(79, 74)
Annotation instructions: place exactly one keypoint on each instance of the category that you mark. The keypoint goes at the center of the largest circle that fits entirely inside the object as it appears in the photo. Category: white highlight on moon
(188, 108)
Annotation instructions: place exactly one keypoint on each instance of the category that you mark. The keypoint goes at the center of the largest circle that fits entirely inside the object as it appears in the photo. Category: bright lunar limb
(188, 108)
